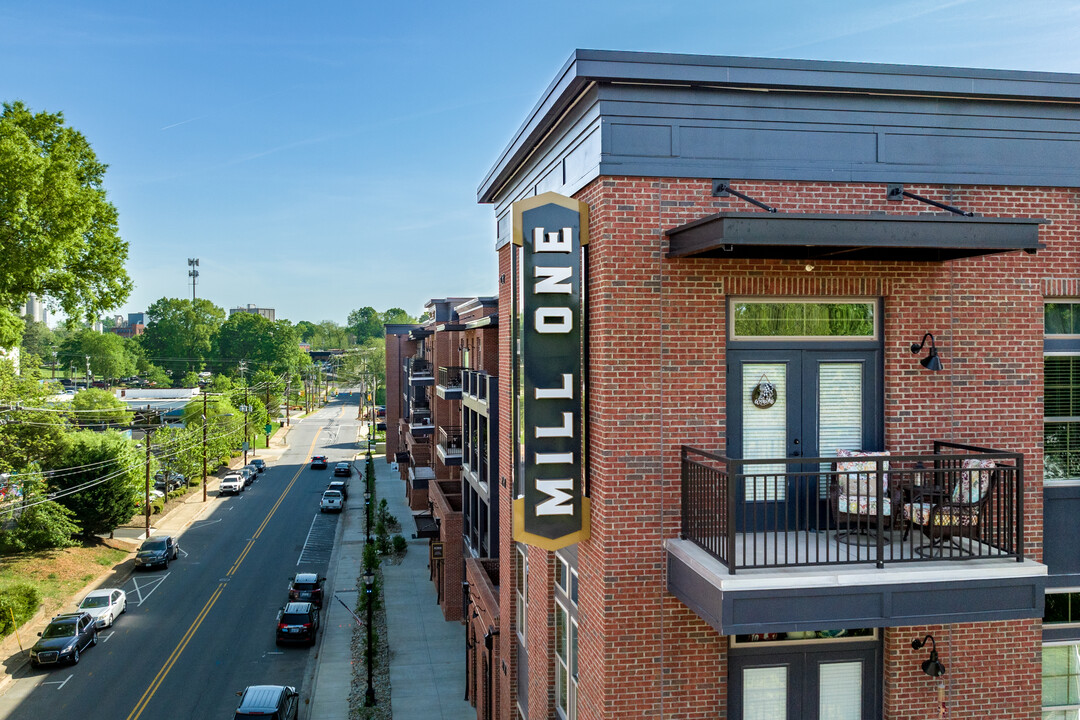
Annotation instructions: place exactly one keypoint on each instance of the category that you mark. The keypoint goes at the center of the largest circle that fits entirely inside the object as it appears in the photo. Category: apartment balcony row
(872, 540)
(477, 387)
(419, 371)
(448, 385)
(449, 446)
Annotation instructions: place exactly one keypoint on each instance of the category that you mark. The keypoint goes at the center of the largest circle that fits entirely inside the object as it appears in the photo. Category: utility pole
(204, 422)
(54, 364)
(243, 367)
(87, 372)
(148, 432)
(288, 389)
(194, 275)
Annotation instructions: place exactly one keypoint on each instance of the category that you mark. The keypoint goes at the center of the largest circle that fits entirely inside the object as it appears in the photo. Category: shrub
(156, 506)
(40, 527)
(383, 544)
(400, 544)
(371, 557)
(22, 600)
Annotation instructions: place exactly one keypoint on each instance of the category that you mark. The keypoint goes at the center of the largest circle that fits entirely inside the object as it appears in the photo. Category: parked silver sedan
(105, 605)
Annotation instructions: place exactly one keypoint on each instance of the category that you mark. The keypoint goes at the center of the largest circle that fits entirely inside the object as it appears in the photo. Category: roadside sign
(436, 551)
(246, 446)
(269, 427)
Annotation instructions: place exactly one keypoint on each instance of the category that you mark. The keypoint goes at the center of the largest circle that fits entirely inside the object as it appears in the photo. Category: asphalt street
(201, 630)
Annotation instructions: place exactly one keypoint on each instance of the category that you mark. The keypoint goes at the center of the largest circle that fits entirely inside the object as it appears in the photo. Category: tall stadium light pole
(194, 275)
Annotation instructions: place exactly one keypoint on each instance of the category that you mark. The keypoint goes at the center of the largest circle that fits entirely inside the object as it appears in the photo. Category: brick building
(820, 306)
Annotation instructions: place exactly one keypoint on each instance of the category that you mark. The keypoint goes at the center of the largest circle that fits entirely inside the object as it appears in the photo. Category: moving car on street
(63, 639)
(104, 605)
(307, 587)
(270, 702)
(332, 501)
(158, 550)
(298, 622)
(318, 462)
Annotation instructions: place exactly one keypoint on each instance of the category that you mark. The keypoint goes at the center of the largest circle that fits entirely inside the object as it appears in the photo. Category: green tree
(41, 526)
(261, 342)
(38, 339)
(190, 379)
(104, 470)
(180, 333)
(305, 330)
(365, 323)
(329, 335)
(396, 316)
(59, 235)
(224, 429)
(33, 431)
(137, 354)
(157, 377)
(99, 407)
(109, 356)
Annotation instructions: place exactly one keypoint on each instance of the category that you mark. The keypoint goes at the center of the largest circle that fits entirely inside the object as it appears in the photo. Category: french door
(825, 400)
(806, 682)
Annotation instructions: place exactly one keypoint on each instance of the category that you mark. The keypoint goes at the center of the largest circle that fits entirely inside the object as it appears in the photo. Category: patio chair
(957, 510)
(853, 494)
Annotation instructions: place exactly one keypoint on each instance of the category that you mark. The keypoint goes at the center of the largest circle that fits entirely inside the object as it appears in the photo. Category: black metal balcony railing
(450, 440)
(786, 512)
(450, 377)
(417, 366)
(420, 415)
(475, 383)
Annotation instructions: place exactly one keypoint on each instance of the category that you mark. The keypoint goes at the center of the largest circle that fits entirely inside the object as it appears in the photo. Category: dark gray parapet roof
(614, 67)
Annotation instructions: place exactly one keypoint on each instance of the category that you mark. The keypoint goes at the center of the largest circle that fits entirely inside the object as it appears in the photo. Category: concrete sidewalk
(427, 654)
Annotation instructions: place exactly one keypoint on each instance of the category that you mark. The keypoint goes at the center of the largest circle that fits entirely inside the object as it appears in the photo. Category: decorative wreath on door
(764, 393)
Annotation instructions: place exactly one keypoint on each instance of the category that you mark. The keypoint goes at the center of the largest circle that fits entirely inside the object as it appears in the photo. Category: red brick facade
(657, 369)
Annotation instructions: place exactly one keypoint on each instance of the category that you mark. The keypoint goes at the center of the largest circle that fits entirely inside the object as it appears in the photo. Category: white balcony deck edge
(863, 574)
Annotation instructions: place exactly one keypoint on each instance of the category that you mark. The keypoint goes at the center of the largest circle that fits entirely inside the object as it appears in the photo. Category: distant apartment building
(134, 325)
(136, 318)
(267, 313)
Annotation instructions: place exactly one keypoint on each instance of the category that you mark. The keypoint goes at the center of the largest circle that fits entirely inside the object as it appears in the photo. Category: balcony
(449, 446)
(477, 389)
(774, 543)
(448, 386)
(419, 372)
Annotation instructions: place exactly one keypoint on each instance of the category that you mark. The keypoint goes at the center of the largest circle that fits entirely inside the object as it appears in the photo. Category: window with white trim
(521, 589)
(1061, 392)
(566, 635)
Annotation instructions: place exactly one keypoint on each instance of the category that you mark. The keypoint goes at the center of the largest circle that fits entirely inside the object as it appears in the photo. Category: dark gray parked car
(270, 702)
(63, 639)
(158, 550)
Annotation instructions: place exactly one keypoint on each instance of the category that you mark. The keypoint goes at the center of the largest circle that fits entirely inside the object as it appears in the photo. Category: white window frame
(522, 624)
(874, 302)
(1073, 350)
(1075, 708)
(566, 663)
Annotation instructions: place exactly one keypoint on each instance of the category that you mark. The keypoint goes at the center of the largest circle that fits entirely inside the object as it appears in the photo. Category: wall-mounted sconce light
(932, 666)
(931, 361)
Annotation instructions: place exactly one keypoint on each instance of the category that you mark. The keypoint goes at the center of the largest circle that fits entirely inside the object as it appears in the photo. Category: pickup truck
(231, 484)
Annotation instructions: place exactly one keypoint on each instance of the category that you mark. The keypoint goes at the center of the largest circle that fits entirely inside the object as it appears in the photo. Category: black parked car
(157, 551)
(298, 622)
(307, 587)
(343, 469)
(342, 486)
(167, 481)
(63, 639)
(259, 464)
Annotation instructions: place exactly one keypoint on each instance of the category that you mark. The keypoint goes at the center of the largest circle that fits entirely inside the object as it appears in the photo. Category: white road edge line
(306, 539)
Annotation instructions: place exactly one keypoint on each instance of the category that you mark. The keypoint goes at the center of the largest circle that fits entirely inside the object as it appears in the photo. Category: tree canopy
(107, 468)
(110, 356)
(58, 232)
(261, 342)
(180, 333)
(99, 407)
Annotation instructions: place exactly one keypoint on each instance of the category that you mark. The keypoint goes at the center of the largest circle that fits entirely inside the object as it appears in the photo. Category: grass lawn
(260, 438)
(57, 574)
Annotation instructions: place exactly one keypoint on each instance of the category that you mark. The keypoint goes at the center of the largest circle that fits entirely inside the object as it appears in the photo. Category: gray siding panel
(777, 144)
(1061, 508)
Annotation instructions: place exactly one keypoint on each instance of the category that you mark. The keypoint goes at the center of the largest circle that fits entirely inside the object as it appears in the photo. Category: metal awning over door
(803, 236)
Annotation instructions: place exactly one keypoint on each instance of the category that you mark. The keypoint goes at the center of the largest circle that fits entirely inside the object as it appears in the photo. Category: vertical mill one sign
(553, 511)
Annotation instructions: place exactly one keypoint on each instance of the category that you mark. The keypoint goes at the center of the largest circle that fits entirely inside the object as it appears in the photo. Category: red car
(318, 462)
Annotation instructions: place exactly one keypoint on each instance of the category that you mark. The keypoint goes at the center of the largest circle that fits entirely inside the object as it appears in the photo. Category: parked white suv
(231, 484)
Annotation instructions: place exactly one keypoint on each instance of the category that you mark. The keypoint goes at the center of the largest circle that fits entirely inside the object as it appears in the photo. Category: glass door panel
(765, 433)
(765, 693)
(840, 691)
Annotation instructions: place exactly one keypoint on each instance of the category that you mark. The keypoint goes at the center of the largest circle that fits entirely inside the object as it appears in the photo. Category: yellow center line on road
(175, 655)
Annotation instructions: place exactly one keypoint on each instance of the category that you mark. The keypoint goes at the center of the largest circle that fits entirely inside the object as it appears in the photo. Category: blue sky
(320, 157)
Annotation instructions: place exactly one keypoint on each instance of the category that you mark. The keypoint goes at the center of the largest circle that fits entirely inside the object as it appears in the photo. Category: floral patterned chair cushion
(856, 476)
(973, 485)
(863, 505)
(919, 513)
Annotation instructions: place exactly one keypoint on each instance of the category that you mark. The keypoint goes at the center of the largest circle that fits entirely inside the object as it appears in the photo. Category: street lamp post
(369, 581)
